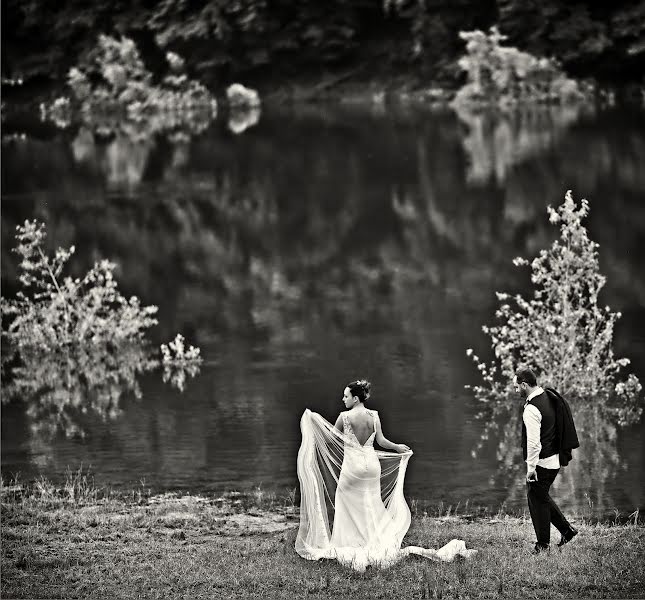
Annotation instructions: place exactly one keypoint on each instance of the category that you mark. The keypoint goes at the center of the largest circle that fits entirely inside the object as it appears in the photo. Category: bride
(352, 507)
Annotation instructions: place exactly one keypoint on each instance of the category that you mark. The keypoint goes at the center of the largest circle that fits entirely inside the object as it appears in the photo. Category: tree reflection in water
(121, 144)
(596, 463)
(326, 224)
(498, 140)
(65, 391)
(239, 120)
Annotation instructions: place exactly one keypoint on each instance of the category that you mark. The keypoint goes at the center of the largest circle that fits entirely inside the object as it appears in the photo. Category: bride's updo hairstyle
(360, 388)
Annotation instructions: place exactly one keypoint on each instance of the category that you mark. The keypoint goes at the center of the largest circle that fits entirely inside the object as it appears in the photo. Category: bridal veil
(352, 506)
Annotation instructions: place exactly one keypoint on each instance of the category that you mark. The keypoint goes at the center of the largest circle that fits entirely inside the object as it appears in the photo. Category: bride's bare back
(362, 422)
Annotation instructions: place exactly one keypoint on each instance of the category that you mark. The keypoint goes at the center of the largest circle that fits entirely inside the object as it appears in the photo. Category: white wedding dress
(352, 507)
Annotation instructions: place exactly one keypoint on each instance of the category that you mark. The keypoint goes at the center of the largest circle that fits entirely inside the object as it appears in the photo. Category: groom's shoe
(568, 536)
(539, 548)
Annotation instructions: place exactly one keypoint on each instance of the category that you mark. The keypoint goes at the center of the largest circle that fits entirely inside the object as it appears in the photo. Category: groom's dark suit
(543, 509)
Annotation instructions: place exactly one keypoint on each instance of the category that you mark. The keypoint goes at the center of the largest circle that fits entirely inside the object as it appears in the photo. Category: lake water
(302, 248)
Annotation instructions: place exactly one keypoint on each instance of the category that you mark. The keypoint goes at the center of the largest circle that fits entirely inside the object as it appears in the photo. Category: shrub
(562, 331)
(114, 91)
(179, 362)
(502, 75)
(113, 74)
(76, 345)
(51, 313)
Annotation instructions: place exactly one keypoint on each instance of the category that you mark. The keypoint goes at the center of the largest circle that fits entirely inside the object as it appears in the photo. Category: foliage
(117, 97)
(175, 352)
(43, 40)
(562, 332)
(58, 112)
(434, 27)
(224, 39)
(75, 346)
(51, 313)
(501, 75)
(589, 40)
(113, 74)
(179, 361)
(232, 36)
(567, 338)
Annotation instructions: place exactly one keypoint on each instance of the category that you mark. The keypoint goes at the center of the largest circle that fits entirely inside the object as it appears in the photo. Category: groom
(540, 447)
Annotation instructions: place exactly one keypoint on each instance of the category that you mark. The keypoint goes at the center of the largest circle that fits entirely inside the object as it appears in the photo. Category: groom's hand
(531, 476)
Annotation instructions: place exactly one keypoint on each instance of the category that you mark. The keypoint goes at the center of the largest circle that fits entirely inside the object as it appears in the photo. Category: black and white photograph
(322, 299)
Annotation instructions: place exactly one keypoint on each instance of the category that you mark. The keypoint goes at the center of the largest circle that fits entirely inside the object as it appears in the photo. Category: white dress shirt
(532, 418)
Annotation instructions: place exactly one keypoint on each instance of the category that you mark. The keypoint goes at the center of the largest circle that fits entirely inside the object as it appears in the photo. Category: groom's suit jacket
(557, 430)
(547, 426)
(566, 435)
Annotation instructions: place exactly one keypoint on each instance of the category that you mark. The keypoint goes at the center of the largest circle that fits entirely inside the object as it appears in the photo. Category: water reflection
(119, 144)
(65, 391)
(120, 147)
(326, 245)
(595, 465)
(239, 120)
(497, 141)
(68, 391)
(177, 375)
(253, 226)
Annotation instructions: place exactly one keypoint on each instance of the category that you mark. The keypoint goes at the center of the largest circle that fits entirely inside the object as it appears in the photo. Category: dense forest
(269, 43)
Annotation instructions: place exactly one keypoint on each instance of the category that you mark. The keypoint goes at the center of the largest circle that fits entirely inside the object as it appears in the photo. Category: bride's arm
(339, 422)
(383, 442)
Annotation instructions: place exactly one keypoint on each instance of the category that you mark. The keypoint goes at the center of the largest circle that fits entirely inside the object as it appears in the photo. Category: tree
(562, 332)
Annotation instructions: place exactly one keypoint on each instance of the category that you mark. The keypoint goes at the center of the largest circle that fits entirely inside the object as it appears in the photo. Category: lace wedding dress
(352, 506)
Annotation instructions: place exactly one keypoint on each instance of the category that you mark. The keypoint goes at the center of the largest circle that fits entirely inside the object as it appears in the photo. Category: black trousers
(543, 509)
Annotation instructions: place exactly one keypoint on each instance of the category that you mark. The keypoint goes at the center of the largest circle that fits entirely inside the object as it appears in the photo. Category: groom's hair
(525, 374)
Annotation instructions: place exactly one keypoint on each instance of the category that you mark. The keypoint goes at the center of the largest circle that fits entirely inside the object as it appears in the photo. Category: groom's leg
(557, 518)
(540, 504)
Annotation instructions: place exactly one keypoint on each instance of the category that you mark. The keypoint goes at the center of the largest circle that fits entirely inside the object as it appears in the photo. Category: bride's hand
(400, 448)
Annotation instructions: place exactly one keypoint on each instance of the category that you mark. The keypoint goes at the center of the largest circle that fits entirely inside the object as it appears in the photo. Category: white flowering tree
(51, 311)
(505, 76)
(115, 93)
(113, 74)
(73, 345)
(565, 335)
(562, 332)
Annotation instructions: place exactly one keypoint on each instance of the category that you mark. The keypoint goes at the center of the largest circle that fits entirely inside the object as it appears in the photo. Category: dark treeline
(270, 42)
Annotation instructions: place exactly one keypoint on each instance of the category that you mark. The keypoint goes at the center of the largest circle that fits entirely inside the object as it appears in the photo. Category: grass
(77, 541)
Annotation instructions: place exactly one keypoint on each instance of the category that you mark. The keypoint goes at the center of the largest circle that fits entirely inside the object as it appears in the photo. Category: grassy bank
(76, 543)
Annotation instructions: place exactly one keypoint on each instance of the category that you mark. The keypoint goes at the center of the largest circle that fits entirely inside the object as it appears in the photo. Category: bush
(75, 346)
(50, 313)
(114, 92)
(179, 362)
(114, 74)
(502, 75)
(562, 332)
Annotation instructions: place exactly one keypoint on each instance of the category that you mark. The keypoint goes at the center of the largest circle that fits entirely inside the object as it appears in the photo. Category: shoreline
(371, 93)
(344, 86)
(79, 493)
